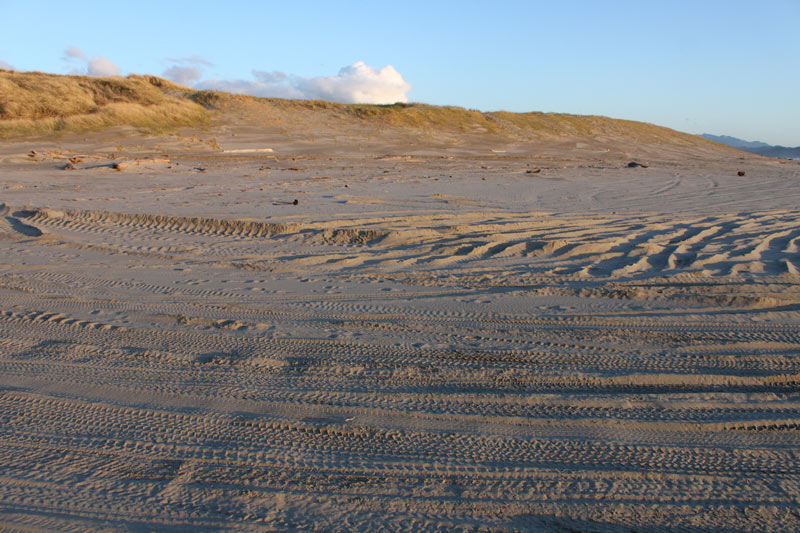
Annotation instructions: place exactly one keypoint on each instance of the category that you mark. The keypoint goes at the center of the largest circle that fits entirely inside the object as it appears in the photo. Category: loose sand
(428, 340)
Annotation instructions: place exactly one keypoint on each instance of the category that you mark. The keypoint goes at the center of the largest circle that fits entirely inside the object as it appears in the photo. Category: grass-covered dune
(448, 119)
(35, 103)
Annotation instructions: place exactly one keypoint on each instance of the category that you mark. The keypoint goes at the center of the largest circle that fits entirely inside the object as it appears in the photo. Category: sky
(704, 66)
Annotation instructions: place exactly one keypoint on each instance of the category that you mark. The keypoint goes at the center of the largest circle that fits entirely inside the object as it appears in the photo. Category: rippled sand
(491, 341)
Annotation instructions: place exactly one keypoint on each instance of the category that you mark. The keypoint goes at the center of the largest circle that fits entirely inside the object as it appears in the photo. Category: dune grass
(34, 103)
(450, 119)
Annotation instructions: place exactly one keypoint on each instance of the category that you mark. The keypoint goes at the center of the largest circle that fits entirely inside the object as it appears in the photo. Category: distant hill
(733, 142)
(755, 147)
(778, 151)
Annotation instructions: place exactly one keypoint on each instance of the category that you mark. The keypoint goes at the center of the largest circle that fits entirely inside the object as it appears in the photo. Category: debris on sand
(122, 165)
(68, 166)
(248, 150)
(531, 171)
(740, 173)
(296, 201)
(634, 164)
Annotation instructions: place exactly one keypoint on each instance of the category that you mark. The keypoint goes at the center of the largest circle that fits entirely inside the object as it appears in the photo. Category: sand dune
(431, 338)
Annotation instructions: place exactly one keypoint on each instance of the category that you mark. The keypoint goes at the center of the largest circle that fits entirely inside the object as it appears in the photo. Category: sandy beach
(338, 334)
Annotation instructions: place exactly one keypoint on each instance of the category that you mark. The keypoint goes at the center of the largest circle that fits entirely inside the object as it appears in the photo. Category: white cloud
(97, 66)
(186, 69)
(101, 66)
(5, 66)
(183, 75)
(357, 83)
(195, 59)
(251, 87)
(73, 52)
(275, 76)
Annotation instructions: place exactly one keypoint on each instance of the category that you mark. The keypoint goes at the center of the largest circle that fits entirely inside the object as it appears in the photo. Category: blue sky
(724, 67)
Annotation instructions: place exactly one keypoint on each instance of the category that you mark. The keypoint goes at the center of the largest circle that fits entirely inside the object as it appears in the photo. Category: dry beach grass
(34, 103)
(467, 321)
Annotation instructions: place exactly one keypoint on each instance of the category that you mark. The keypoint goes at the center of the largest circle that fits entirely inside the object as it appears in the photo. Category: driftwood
(122, 165)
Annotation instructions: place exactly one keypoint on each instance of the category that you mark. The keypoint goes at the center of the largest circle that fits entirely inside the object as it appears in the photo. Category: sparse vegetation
(449, 119)
(33, 103)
